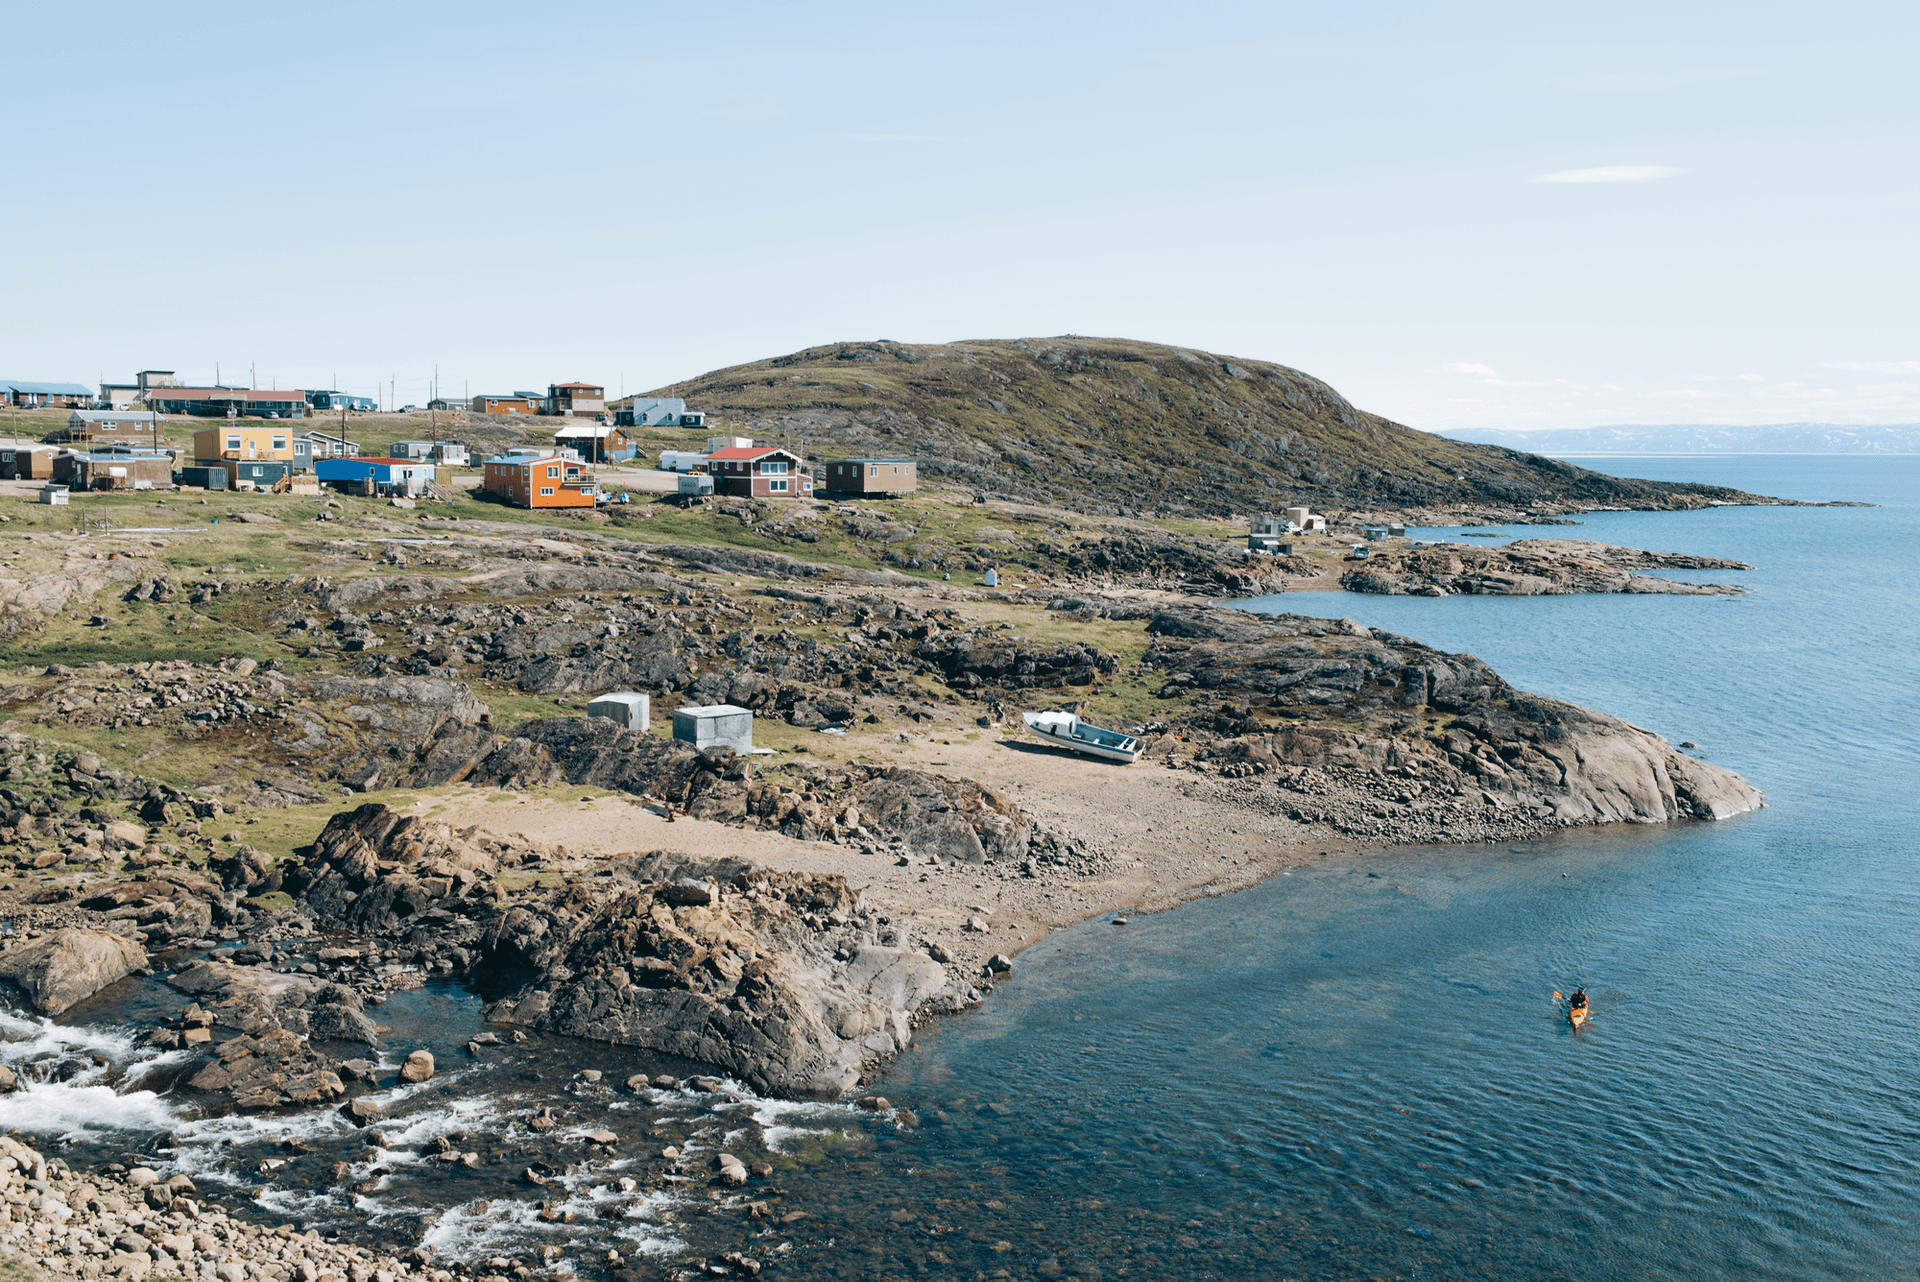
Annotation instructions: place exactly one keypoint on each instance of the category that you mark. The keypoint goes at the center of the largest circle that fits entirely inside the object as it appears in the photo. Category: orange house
(549, 481)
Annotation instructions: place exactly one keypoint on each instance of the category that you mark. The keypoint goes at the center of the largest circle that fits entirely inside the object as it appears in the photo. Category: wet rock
(69, 966)
(363, 1111)
(418, 1067)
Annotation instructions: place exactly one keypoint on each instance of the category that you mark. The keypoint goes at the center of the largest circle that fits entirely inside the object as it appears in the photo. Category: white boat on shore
(1069, 731)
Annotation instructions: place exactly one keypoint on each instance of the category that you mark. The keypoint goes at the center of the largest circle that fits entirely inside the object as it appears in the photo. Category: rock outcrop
(1531, 567)
(1355, 696)
(69, 966)
(720, 964)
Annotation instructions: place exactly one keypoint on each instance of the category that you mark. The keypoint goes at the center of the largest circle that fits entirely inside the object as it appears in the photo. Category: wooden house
(540, 482)
(871, 476)
(766, 473)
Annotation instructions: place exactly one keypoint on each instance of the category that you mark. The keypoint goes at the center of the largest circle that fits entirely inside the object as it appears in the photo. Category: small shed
(714, 724)
(1373, 531)
(629, 708)
(694, 484)
(204, 478)
(54, 494)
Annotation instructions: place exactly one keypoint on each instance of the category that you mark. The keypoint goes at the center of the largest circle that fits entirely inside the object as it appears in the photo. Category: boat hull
(1062, 734)
(1577, 1016)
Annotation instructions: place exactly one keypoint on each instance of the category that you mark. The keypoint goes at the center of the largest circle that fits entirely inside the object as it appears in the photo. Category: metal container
(714, 724)
(629, 708)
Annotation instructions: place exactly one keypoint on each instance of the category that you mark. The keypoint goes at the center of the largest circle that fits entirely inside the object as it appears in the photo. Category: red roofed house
(759, 473)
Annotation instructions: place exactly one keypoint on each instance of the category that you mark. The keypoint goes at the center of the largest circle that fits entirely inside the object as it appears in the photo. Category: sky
(1461, 215)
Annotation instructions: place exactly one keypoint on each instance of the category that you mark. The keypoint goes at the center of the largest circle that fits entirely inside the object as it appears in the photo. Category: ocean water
(1357, 1070)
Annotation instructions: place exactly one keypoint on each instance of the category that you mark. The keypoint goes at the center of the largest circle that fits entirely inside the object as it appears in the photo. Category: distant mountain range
(1707, 438)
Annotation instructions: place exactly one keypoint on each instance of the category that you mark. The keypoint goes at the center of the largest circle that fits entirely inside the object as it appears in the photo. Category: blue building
(20, 391)
(340, 400)
(380, 475)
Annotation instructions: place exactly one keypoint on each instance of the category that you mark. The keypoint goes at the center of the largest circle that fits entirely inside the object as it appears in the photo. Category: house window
(546, 491)
(279, 442)
(233, 442)
(552, 471)
(773, 469)
(778, 487)
(873, 471)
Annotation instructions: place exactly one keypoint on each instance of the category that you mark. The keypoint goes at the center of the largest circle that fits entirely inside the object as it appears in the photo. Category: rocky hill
(1120, 426)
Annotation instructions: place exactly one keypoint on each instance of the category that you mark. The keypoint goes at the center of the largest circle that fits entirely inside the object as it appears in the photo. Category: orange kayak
(1577, 1015)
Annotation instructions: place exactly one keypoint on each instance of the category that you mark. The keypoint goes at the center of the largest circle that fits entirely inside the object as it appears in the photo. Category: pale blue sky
(638, 193)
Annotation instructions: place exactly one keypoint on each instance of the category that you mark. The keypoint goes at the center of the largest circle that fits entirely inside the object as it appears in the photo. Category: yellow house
(213, 446)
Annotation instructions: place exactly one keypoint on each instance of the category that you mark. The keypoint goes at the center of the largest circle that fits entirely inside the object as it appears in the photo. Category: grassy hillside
(1115, 425)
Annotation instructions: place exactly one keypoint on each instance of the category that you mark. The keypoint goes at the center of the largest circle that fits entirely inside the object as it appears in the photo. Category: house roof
(874, 460)
(26, 388)
(581, 431)
(528, 460)
(114, 416)
(570, 387)
(752, 452)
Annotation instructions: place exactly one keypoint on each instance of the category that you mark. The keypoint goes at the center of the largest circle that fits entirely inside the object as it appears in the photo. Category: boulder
(69, 966)
(418, 1068)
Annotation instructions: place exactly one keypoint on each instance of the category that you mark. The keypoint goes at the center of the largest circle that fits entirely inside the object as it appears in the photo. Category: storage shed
(629, 708)
(204, 478)
(714, 724)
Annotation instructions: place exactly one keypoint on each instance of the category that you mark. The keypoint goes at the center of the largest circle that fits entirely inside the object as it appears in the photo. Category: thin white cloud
(1875, 367)
(1610, 174)
(1463, 368)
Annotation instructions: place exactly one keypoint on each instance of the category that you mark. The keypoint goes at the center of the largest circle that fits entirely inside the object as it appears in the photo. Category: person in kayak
(1579, 999)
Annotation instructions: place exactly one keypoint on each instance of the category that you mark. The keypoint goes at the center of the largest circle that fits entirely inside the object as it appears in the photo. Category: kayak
(1577, 1015)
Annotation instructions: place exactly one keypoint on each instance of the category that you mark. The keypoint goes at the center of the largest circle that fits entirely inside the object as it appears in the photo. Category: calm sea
(1358, 1070)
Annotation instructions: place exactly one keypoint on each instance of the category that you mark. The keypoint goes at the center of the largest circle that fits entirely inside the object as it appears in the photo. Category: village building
(211, 402)
(872, 476)
(770, 473)
(574, 398)
(541, 481)
(325, 445)
(32, 395)
(451, 453)
(244, 474)
(597, 442)
(242, 441)
(517, 403)
(112, 427)
(113, 470)
(33, 464)
(655, 411)
(117, 396)
(376, 476)
(336, 401)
